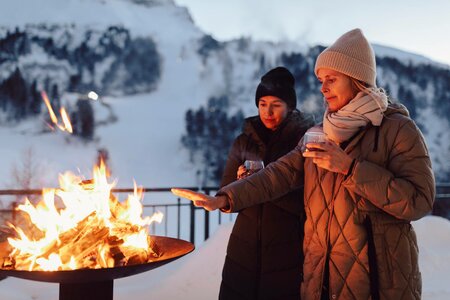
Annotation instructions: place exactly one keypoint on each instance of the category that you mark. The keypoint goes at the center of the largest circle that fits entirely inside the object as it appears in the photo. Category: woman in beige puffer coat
(361, 190)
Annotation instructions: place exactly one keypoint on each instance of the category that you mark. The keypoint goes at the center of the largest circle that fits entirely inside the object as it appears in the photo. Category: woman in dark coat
(264, 257)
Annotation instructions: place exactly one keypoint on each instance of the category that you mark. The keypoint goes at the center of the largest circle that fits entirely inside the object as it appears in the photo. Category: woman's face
(337, 88)
(272, 111)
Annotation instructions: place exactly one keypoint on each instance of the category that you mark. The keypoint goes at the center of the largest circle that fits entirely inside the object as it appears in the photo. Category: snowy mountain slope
(148, 128)
(404, 56)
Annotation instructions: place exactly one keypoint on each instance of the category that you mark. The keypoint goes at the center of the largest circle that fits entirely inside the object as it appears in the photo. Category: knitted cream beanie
(351, 55)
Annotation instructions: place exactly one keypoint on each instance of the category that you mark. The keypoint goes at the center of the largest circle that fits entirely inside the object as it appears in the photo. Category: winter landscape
(171, 98)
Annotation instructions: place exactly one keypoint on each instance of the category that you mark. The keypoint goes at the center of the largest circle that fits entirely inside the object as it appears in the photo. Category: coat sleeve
(405, 188)
(277, 179)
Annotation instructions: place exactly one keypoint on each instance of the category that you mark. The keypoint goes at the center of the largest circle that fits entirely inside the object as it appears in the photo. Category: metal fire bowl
(171, 249)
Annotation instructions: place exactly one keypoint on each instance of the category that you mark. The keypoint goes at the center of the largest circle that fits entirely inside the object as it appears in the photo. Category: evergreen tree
(35, 102)
(54, 97)
(85, 119)
(407, 98)
(16, 91)
(209, 135)
(208, 44)
(75, 122)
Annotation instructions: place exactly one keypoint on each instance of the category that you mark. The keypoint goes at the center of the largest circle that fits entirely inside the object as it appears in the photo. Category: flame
(66, 120)
(82, 225)
(66, 124)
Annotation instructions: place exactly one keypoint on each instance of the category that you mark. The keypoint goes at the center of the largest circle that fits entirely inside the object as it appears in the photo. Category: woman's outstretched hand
(209, 203)
(329, 156)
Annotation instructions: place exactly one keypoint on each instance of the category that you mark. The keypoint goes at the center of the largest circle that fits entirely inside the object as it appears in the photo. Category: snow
(144, 143)
(433, 235)
(404, 56)
(140, 18)
(198, 274)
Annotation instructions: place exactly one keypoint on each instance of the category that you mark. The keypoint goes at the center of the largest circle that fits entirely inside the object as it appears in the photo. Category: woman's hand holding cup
(249, 167)
(325, 154)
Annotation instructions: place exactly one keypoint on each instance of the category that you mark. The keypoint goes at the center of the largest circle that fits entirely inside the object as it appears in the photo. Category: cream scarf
(367, 106)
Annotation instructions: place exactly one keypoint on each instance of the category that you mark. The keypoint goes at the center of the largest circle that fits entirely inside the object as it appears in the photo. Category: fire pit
(98, 284)
(83, 237)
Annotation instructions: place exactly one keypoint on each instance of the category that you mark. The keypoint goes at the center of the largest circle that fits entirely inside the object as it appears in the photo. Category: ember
(82, 225)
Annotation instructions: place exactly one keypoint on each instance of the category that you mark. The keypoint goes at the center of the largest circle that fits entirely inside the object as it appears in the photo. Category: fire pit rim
(172, 249)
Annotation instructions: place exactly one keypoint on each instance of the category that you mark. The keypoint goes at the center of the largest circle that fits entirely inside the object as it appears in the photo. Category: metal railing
(181, 207)
(442, 200)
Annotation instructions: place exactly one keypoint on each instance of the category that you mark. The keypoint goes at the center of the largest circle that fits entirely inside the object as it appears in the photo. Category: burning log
(91, 229)
(83, 239)
(90, 245)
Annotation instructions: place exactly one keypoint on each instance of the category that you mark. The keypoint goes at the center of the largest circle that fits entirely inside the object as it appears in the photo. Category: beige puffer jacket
(360, 220)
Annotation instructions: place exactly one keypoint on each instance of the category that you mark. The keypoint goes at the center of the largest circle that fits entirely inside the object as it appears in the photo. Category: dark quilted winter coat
(358, 235)
(264, 257)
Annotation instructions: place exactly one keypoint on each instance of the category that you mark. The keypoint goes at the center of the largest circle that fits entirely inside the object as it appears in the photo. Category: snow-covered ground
(198, 274)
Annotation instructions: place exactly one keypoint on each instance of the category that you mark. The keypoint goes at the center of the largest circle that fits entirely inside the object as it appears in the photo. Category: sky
(421, 27)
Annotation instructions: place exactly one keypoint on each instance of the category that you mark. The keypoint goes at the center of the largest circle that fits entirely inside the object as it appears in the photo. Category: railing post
(207, 192)
(192, 235)
(178, 217)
